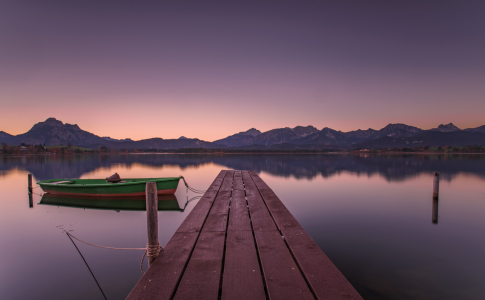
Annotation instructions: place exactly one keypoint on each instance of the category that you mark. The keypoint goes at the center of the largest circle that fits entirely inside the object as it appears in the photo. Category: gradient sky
(209, 69)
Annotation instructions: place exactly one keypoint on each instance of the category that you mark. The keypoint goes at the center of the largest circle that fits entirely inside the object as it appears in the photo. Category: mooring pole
(153, 247)
(30, 180)
(436, 185)
(31, 200)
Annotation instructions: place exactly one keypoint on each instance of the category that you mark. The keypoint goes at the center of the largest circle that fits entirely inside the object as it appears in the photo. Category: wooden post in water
(152, 222)
(31, 200)
(436, 185)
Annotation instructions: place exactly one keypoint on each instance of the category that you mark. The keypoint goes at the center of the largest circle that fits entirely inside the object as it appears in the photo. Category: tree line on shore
(70, 149)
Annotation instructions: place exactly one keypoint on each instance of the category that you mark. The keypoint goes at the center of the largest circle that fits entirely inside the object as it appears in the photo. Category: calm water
(371, 215)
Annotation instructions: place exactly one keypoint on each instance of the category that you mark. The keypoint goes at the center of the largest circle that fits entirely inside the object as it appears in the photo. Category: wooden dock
(241, 242)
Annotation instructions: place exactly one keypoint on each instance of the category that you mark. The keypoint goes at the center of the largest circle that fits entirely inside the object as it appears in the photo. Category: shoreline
(251, 153)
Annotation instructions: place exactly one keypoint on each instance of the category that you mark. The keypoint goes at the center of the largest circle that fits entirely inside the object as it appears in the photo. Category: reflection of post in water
(436, 190)
(436, 185)
(434, 219)
(31, 200)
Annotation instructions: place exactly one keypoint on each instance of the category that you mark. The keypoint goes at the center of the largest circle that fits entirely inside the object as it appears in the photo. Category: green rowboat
(102, 188)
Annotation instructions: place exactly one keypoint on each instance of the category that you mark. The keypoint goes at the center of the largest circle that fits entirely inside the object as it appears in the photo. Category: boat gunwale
(140, 181)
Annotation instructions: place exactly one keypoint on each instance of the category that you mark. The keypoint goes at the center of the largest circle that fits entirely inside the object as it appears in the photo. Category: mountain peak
(251, 132)
(302, 131)
(447, 128)
(52, 121)
(182, 138)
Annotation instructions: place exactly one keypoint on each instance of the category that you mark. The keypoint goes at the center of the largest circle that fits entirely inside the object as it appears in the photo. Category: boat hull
(100, 188)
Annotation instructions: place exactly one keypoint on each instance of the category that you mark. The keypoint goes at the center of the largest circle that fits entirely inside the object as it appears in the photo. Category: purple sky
(210, 69)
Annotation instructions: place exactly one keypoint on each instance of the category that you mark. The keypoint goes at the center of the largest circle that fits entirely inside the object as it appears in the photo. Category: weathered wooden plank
(326, 281)
(281, 274)
(281, 215)
(196, 218)
(258, 181)
(202, 277)
(238, 181)
(218, 215)
(239, 214)
(216, 184)
(227, 183)
(161, 279)
(242, 277)
(260, 216)
(249, 185)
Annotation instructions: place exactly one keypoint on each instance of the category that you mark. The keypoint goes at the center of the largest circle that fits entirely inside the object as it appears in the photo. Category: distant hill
(326, 136)
(477, 129)
(427, 138)
(446, 128)
(4, 137)
(268, 138)
(107, 138)
(159, 143)
(53, 132)
(396, 131)
(243, 138)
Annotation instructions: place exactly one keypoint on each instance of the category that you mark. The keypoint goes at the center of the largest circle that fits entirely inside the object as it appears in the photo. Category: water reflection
(370, 215)
(434, 218)
(391, 167)
(165, 202)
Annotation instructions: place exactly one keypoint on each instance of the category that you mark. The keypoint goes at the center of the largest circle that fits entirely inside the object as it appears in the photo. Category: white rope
(104, 246)
(191, 188)
(32, 193)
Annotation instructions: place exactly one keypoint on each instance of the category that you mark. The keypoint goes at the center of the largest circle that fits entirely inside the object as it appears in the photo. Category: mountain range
(53, 132)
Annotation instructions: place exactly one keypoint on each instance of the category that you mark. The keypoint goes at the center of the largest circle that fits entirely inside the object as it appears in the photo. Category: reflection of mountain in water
(392, 168)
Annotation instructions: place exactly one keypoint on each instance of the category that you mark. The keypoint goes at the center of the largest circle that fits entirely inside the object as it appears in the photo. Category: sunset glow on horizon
(209, 70)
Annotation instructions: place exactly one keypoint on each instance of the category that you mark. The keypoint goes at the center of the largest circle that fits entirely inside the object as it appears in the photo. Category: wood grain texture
(281, 274)
(242, 274)
(161, 279)
(227, 183)
(196, 218)
(260, 216)
(249, 185)
(239, 214)
(326, 281)
(258, 181)
(219, 213)
(216, 184)
(202, 277)
(238, 181)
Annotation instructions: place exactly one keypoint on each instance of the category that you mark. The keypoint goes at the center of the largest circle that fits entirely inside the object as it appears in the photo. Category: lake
(373, 216)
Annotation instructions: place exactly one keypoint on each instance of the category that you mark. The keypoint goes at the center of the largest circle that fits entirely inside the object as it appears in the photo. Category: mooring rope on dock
(114, 248)
(189, 188)
(151, 250)
(31, 192)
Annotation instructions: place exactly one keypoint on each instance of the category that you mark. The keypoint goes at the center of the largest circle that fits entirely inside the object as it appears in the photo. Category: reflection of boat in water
(128, 187)
(165, 202)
